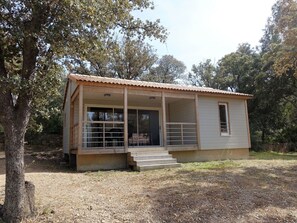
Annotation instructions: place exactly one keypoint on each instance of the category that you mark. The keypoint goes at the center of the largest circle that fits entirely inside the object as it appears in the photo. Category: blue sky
(202, 29)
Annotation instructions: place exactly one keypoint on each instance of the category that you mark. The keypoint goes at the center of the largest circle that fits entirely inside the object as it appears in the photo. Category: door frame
(159, 109)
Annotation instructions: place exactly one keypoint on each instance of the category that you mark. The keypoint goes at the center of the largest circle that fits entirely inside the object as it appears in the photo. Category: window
(224, 119)
(105, 114)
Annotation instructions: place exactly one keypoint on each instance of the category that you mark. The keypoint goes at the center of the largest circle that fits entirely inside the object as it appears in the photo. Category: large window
(105, 114)
(104, 127)
(224, 119)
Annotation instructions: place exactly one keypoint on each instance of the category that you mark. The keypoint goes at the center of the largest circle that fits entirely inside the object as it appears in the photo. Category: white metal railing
(224, 127)
(103, 134)
(181, 133)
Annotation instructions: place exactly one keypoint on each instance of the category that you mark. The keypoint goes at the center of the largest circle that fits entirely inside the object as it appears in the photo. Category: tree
(127, 59)
(46, 115)
(275, 115)
(168, 70)
(285, 19)
(36, 37)
(204, 75)
(237, 70)
(131, 59)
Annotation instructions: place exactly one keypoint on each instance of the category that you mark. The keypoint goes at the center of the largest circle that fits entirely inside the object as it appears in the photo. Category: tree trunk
(17, 204)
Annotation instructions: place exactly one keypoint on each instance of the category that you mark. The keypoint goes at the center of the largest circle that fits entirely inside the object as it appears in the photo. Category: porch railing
(103, 134)
(181, 133)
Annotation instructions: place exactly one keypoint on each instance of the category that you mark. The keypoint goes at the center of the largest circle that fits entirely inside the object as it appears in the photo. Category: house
(115, 123)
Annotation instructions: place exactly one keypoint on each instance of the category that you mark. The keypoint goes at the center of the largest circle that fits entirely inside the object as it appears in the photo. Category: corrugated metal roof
(146, 84)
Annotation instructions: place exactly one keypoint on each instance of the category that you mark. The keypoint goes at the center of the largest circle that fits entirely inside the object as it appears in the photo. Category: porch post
(164, 120)
(197, 122)
(126, 119)
(80, 119)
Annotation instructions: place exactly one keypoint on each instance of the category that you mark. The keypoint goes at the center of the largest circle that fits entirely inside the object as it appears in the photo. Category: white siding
(210, 136)
(182, 111)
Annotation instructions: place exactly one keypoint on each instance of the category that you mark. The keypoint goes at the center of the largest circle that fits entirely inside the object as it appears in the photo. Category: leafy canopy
(167, 70)
(38, 38)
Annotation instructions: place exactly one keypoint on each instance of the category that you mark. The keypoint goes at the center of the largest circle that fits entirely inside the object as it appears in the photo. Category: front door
(143, 127)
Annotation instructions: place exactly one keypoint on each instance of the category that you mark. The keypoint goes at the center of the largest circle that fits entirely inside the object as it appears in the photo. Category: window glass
(224, 125)
(99, 114)
(118, 115)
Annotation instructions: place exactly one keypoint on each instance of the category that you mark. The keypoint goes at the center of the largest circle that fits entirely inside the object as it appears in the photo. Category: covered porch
(119, 119)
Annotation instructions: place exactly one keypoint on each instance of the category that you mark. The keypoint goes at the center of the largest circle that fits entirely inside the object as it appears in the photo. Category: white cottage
(114, 123)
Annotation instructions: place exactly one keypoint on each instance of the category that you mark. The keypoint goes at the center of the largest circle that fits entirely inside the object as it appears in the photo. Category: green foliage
(274, 109)
(38, 39)
(285, 20)
(127, 59)
(237, 71)
(167, 70)
(268, 73)
(204, 75)
(47, 115)
(131, 59)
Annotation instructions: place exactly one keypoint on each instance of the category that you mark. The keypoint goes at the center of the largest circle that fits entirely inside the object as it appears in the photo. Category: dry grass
(255, 190)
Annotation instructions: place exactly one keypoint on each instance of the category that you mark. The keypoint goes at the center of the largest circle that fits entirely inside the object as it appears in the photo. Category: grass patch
(273, 156)
(211, 165)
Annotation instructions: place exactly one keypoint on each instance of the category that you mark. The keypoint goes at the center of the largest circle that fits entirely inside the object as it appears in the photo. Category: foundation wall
(101, 162)
(208, 155)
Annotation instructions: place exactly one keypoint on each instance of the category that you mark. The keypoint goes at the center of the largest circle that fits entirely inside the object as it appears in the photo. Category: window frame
(226, 105)
(102, 106)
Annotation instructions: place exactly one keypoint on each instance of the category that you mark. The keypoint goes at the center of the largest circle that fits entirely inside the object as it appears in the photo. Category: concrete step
(151, 156)
(156, 161)
(159, 166)
(146, 149)
(148, 153)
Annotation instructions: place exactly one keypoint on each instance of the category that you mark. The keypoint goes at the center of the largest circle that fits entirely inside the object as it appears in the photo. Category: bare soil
(247, 191)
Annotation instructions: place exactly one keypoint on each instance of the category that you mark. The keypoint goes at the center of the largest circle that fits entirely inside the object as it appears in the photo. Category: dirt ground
(246, 191)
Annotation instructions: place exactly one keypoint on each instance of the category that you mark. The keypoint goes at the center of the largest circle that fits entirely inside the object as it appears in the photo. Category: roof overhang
(106, 81)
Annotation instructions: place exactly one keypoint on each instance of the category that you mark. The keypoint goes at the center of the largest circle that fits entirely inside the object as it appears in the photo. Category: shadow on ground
(249, 195)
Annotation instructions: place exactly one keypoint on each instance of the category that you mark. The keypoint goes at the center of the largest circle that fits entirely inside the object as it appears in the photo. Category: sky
(208, 29)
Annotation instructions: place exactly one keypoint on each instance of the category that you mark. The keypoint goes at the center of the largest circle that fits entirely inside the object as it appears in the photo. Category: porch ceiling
(144, 101)
(103, 96)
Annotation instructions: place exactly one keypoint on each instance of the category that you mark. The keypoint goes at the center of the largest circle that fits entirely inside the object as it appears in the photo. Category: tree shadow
(227, 196)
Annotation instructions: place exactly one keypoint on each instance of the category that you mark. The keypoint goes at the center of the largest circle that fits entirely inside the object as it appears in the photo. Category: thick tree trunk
(17, 204)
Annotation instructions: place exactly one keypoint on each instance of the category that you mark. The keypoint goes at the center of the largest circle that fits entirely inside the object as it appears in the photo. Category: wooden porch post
(126, 119)
(80, 119)
(197, 122)
(164, 120)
